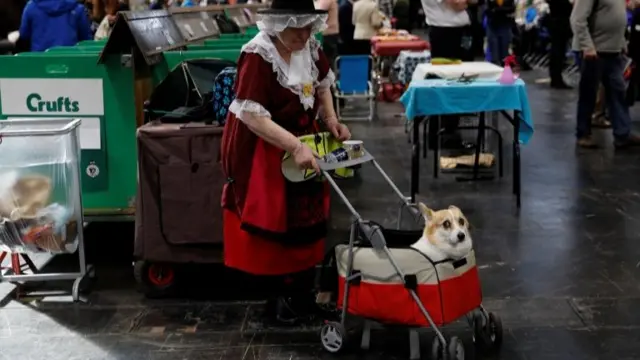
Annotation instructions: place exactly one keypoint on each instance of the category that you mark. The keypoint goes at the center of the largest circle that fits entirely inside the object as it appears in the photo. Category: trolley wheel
(455, 350)
(333, 337)
(154, 279)
(438, 350)
(83, 284)
(488, 331)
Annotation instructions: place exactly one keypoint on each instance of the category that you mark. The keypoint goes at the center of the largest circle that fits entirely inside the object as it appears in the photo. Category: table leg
(517, 172)
(436, 148)
(425, 140)
(415, 159)
(479, 147)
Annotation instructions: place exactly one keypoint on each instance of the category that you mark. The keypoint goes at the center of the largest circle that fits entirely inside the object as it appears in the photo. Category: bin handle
(57, 69)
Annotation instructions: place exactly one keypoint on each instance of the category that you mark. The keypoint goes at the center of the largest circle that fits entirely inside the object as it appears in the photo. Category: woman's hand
(338, 130)
(305, 158)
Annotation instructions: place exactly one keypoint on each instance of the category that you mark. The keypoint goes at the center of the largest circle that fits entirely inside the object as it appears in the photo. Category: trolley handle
(326, 167)
(371, 232)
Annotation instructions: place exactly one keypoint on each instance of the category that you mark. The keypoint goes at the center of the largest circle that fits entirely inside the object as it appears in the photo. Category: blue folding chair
(354, 82)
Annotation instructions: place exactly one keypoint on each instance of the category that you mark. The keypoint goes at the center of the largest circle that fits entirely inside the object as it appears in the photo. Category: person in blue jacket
(49, 23)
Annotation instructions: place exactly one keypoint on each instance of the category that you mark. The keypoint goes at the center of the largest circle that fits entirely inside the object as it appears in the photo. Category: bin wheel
(154, 279)
(455, 349)
(333, 337)
(488, 331)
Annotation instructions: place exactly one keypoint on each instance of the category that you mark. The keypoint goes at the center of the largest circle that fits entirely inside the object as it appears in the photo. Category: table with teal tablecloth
(435, 97)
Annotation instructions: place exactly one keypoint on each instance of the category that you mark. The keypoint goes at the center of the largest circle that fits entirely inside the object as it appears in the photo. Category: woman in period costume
(274, 227)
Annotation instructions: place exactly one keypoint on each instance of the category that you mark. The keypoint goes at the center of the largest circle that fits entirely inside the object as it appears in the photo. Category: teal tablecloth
(444, 97)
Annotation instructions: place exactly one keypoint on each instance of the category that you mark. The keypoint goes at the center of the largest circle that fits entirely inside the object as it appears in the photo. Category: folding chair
(354, 83)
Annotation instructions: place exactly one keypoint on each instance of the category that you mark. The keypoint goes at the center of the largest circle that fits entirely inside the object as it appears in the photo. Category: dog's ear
(455, 208)
(427, 213)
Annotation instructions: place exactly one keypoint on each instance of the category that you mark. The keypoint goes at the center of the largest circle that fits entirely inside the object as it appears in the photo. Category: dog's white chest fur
(425, 247)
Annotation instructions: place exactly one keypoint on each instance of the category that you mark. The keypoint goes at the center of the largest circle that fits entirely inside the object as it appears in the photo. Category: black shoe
(631, 141)
(560, 86)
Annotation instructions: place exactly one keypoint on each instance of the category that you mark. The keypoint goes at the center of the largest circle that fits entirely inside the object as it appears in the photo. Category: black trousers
(451, 43)
(560, 32)
(330, 45)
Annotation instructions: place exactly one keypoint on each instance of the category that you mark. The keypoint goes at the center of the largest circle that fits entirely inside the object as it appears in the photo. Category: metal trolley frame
(54, 127)
(487, 326)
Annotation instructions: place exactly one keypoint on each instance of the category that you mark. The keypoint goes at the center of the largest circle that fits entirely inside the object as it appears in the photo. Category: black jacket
(345, 21)
(503, 14)
(560, 9)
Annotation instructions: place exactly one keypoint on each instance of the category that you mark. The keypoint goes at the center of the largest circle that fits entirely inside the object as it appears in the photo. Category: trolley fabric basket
(448, 290)
(178, 214)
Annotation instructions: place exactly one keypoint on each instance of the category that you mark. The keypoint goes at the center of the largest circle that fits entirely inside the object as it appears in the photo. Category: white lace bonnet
(291, 13)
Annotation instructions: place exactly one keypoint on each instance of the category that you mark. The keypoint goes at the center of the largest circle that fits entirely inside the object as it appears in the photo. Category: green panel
(90, 47)
(213, 47)
(93, 42)
(33, 54)
(66, 49)
(238, 41)
(73, 50)
(235, 36)
(112, 189)
(61, 48)
(173, 58)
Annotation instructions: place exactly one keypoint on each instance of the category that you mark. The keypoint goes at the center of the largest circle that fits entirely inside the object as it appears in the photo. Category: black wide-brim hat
(292, 7)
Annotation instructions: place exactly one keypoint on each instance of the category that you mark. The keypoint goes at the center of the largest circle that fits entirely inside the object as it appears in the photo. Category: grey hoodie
(603, 30)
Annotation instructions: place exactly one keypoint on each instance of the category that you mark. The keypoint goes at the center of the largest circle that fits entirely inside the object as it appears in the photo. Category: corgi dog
(445, 236)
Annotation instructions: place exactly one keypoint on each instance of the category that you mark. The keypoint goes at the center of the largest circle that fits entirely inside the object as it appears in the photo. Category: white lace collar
(262, 45)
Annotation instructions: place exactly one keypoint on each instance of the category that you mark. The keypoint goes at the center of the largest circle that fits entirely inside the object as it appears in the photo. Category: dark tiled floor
(562, 272)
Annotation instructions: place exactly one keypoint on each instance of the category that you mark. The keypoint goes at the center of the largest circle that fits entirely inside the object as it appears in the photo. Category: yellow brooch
(307, 89)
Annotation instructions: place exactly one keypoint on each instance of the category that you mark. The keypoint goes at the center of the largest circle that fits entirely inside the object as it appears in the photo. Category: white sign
(90, 134)
(59, 97)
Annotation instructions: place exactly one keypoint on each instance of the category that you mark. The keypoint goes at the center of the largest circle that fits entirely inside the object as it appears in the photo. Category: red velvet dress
(271, 226)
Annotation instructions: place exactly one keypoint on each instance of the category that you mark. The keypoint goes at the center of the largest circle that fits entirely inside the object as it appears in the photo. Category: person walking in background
(500, 23)
(104, 30)
(599, 36)
(451, 37)
(367, 19)
(402, 15)
(386, 7)
(49, 23)
(157, 5)
(331, 35)
(345, 20)
(560, 33)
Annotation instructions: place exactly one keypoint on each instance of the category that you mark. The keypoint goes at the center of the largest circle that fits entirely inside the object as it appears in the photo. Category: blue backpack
(223, 93)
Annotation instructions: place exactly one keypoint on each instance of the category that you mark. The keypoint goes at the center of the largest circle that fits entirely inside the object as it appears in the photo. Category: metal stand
(43, 128)
(416, 147)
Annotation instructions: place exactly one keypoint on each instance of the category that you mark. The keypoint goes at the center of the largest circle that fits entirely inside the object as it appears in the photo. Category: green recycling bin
(63, 85)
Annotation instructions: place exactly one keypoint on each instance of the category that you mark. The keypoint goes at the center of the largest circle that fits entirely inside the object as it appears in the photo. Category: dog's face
(447, 230)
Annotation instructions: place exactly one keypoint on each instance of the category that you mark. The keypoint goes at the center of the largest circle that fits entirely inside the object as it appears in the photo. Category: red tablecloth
(393, 48)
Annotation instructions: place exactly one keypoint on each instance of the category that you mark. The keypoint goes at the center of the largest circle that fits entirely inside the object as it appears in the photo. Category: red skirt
(254, 255)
